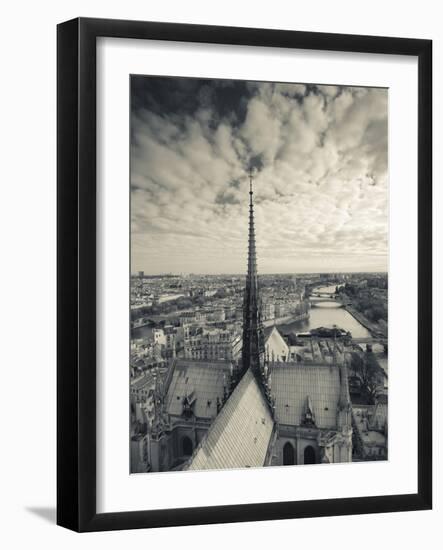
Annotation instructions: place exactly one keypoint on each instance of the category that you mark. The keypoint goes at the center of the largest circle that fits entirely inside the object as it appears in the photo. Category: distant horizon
(171, 274)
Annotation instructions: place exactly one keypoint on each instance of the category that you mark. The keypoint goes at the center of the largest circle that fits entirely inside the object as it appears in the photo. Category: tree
(366, 369)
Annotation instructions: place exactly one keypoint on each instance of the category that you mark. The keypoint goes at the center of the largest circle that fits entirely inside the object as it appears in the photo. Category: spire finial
(250, 182)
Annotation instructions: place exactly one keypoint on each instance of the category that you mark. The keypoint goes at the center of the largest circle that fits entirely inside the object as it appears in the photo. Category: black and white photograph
(259, 274)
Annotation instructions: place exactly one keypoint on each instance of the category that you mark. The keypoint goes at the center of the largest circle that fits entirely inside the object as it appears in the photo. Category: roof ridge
(230, 406)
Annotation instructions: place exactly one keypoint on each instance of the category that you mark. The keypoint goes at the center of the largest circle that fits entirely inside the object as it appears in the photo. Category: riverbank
(328, 315)
(374, 328)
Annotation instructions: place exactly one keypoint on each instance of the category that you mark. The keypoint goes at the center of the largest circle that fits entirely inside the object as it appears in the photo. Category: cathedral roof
(293, 384)
(268, 330)
(242, 432)
(272, 329)
(200, 380)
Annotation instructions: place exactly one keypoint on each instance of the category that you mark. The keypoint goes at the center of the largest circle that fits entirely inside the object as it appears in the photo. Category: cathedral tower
(253, 339)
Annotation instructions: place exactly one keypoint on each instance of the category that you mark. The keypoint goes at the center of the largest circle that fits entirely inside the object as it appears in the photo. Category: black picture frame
(76, 266)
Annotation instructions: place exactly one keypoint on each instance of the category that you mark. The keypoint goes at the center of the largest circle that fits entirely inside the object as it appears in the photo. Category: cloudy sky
(319, 154)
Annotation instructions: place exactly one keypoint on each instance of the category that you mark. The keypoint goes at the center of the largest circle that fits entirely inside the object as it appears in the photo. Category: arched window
(187, 446)
(309, 455)
(288, 454)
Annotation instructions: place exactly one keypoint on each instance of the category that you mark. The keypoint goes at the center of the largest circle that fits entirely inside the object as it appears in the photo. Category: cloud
(262, 130)
(320, 154)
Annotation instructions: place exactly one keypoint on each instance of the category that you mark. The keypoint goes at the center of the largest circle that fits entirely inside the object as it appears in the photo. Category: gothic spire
(253, 341)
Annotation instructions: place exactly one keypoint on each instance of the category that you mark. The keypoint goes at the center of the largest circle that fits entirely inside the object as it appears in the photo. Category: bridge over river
(316, 298)
(324, 297)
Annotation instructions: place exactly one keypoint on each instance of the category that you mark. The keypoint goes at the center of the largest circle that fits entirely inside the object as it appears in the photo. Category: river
(328, 314)
(325, 314)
